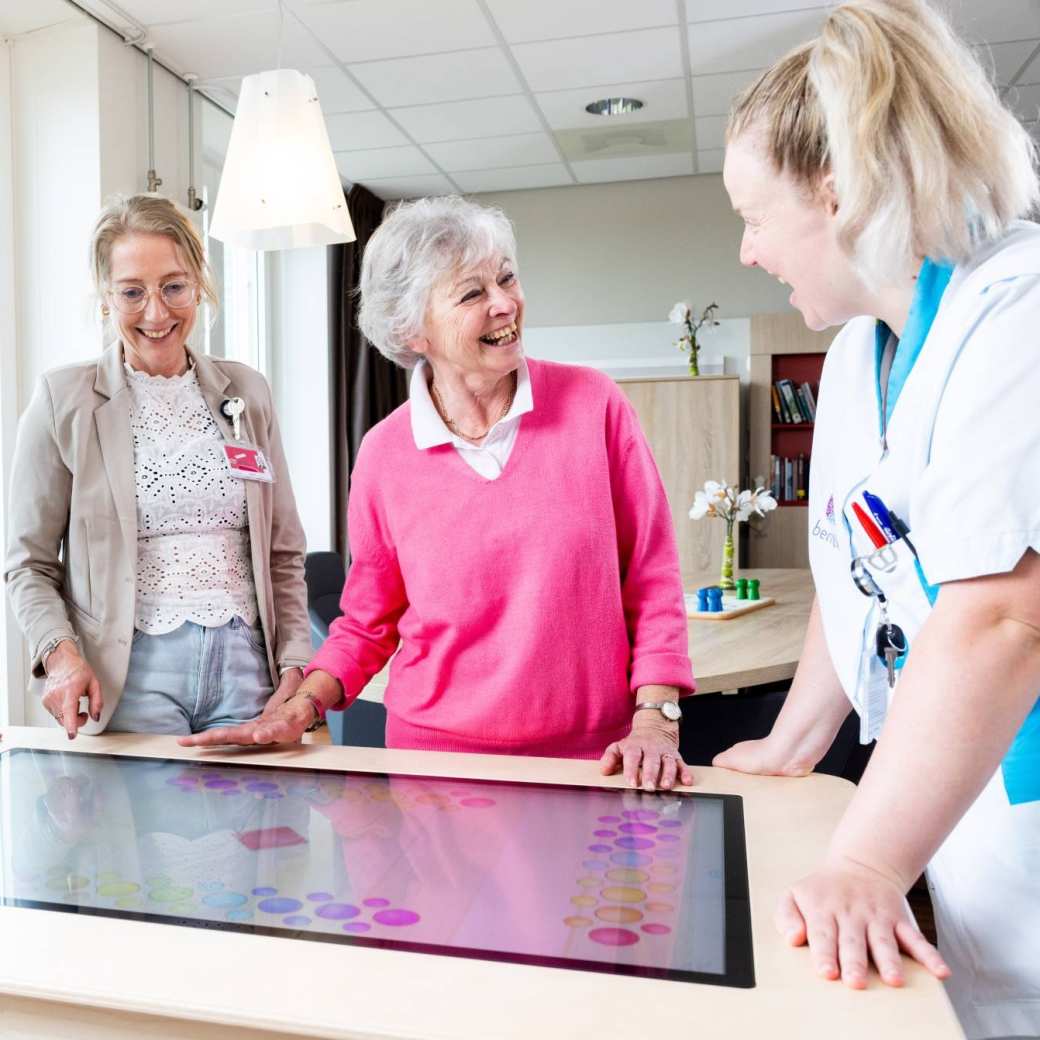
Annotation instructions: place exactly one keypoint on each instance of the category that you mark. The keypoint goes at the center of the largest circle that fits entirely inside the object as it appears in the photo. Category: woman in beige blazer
(155, 556)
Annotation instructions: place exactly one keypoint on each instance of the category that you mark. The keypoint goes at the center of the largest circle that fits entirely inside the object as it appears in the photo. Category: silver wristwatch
(669, 709)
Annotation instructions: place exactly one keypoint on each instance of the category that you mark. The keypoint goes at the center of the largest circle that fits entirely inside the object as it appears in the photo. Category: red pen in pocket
(868, 525)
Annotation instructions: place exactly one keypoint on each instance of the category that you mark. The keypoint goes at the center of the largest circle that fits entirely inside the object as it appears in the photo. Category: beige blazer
(71, 557)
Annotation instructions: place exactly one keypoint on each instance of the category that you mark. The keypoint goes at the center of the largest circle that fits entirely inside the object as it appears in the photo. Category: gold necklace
(450, 423)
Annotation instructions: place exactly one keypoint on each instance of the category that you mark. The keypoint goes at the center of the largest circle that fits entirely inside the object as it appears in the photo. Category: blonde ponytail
(926, 161)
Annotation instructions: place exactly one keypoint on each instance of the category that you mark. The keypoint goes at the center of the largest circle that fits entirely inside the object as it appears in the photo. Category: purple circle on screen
(599, 848)
(319, 897)
(608, 819)
(357, 926)
(656, 929)
(669, 823)
(261, 785)
(667, 837)
(630, 859)
(643, 815)
(605, 834)
(337, 911)
(265, 891)
(613, 936)
(634, 843)
(221, 785)
(638, 828)
(396, 918)
(376, 902)
(279, 905)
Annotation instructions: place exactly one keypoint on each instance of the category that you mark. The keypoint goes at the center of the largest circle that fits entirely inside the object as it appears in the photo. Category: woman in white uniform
(878, 174)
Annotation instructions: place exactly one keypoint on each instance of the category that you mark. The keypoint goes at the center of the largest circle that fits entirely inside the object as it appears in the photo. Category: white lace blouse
(193, 558)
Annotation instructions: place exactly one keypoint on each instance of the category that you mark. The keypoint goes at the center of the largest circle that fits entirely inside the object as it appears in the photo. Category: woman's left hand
(287, 687)
(648, 757)
(850, 915)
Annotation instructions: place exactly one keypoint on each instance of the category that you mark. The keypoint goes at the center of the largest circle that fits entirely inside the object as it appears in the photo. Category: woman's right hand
(69, 677)
(769, 756)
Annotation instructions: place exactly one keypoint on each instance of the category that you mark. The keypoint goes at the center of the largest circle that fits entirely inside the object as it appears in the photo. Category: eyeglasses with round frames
(175, 294)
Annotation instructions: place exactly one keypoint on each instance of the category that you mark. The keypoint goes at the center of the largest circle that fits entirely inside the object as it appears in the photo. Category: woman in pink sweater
(509, 535)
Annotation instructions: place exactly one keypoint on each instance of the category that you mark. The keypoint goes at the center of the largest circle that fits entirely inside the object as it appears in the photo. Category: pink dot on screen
(637, 828)
(319, 897)
(477, 803)
(376, 902)
(599, 848)
(656, 929)
(337, 911)
(396, 918)
(605, 834)
(613, 936)
(634, 843)
(608, 819)
(356, 926)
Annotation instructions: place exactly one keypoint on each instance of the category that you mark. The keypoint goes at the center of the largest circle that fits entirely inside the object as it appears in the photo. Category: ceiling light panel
(398, 28)
(465, 120)
(219, 47)
(591, 60)
(547, 175)
(384, 162)
(438, 77)
(713, 95)
(549, 19)
(488, 152)
(598, 171)
(748, 43)
(355, 131)
(410, 187)
(662, 99)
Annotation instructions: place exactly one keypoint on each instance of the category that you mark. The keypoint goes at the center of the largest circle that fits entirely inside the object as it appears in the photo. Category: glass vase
(726, 579)
(694, 367)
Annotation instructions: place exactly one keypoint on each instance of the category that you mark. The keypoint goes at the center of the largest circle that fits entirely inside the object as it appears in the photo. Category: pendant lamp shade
(280, 187)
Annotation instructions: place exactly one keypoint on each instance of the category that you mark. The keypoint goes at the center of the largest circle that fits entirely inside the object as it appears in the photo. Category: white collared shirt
(489, 457)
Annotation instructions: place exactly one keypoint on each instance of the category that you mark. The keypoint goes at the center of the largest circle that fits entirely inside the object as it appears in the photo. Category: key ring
(864, 580)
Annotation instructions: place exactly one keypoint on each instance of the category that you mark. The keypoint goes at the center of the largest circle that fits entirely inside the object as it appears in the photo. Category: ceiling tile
(355, 131)
(595, 171)
(1025, 102)
(157, 12)
(712, 95)
(996, 22)
(663, 99)
(397, 28)
(22, 18)
(464, 120)
(489, 152)
(1004, 60)
(711, 132)
(438, 77)
(337, 92)
(712, 10)
(710, 160)
(748, 43)
(221, 47)
(550, 19)
(1032, 73)
(613, 58)
(410, 187)
(384, 162)
(668, 137)
(546, 175)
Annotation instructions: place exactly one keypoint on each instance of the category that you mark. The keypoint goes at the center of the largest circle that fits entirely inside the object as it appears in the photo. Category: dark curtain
(365, 386)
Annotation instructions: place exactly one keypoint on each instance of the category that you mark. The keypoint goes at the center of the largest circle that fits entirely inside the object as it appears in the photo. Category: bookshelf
(781, 348)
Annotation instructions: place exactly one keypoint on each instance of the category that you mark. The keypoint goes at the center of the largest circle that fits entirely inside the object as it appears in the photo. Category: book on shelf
(789, 477)
(793, 403)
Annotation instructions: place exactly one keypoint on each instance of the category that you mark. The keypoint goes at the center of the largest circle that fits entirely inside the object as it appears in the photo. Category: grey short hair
(418, 244)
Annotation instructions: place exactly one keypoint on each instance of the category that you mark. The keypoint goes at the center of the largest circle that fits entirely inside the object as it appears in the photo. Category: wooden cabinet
(693, 426)
(781, 538)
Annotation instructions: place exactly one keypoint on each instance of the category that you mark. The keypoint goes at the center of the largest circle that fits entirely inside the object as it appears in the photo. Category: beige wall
(601, 253)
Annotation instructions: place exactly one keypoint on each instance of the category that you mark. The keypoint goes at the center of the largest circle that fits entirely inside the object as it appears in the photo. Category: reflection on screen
(580, 877)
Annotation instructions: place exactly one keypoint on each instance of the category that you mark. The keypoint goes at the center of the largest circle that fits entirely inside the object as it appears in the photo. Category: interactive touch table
(348, 892)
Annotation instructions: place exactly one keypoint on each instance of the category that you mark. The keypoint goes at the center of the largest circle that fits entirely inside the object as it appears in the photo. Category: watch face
(671, 711)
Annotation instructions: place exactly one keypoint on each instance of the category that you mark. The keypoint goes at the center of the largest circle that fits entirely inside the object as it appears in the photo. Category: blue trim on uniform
(1021, 765)
(930, 591)
(881, 336)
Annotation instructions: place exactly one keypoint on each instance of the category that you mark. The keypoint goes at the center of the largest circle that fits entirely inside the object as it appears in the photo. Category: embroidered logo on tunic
(829, 513)
(821, 532)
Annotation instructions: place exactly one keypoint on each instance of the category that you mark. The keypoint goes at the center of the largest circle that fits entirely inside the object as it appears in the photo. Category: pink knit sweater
(528, 609)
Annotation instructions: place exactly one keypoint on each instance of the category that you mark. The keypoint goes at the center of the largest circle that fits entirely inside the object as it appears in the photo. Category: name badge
(247, 463)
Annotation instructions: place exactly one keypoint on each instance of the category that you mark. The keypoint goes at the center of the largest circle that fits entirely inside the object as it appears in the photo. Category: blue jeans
(194, 678)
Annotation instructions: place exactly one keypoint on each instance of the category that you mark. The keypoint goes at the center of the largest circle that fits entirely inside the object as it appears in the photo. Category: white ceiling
(428, 96)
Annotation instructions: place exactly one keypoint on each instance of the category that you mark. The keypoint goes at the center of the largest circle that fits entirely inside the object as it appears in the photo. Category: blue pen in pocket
(881, 514)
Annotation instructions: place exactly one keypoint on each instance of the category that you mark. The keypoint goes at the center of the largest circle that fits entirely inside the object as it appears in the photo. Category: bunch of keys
(233, 408)
(890, 645)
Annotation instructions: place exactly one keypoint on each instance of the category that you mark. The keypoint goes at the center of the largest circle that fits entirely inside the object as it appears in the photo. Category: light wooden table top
(761, 647)
(257, 985)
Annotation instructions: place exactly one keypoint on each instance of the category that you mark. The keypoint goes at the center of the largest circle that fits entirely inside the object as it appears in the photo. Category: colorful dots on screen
(634, 843)
(627, 876)
(589, 882)
(119, 889)
(584, 900)
(337, 911)
(224, 900)
(638, 828)
(239, 915)
(660, 886)
(375, 902)
(279, 905)
(659, 908)
(663, 868)
(630, 859)
(296, 921)
(600, 848)
(623, 894)
(357, 927)
(477, 803)
(619, 914)
(604, 833)
(669, 823)
(667, 837)
(170, 894)
(609, 819)
(655, 929)
(264, 891)
(396, 918)
(221, 785)
(319, 897)
(261, 786)
(578, 922)
(641, 815)
(613, 936)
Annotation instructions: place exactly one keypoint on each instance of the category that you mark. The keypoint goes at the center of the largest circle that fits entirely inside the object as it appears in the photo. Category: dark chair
(324, 574)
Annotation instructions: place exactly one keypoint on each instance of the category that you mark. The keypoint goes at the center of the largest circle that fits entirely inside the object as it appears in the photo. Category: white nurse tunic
(953, 449)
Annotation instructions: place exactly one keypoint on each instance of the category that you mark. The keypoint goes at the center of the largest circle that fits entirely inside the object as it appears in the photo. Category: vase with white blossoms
(688, 343)
(725, 502)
